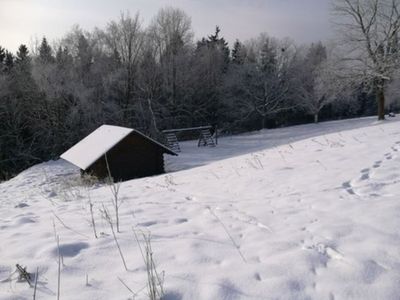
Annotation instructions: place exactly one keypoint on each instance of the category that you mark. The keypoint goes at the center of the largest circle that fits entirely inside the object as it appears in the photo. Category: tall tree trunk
(263, 121)
(381, 103)
(316, 118)
(264, 114)
(153, 122)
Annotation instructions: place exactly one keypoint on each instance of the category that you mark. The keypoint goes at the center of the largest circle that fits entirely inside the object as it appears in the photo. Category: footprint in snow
(364, 174)
(24, 220)
(371, 270)
(180, 220)
(347, 186)
(70, 249)
(21, 205)
(148, 223)
(172, 295)
(324, 250)
(377, 164)
(257, 276)
(228, 290)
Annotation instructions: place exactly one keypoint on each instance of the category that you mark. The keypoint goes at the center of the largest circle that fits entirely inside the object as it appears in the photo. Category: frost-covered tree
(124, 40)
(261, 87)
(238, 53)
(150, 89)
(315, 80)
(370, 35)
(171, 35)
(393, 92)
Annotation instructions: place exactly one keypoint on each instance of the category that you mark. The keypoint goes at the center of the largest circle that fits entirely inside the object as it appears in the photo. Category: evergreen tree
(212, 57)
(22, 54)
(219, 44)
(59, 54)
(45, 53)
(23, 114)
(84, 59)
(238, 53)
(22, 84)
(8, 61)
(63, 58)
(2, 59)
(2, 55)
(23, 61)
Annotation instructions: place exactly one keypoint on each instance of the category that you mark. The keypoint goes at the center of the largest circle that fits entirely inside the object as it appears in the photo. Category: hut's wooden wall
(133, 157)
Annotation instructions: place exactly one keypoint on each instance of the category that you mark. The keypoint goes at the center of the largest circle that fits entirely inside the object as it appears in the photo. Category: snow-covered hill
(306, 212)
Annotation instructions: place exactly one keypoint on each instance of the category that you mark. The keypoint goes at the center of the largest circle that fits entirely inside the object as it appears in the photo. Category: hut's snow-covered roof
(96, 144)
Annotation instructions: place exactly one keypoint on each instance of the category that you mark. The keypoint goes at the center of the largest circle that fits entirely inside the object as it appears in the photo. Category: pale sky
(304, 21)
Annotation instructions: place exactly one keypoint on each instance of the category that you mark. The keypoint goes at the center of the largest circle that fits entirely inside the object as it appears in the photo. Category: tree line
(158, 77)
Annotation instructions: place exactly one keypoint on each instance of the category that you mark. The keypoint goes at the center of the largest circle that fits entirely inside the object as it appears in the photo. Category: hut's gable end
(133, 157)
(130, 153)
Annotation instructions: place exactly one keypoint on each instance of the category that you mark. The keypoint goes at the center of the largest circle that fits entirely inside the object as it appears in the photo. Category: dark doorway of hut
(207, 136)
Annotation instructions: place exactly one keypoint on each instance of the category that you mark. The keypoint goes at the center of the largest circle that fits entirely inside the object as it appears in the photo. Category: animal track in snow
(21, 205)
(346, 185)
(388, 156)
(376, 184)
(371, 270)
(180, 220)
(364, 174)
(71, 249)
(148, 223)
(325, 252)
(377, 164)
(257, 276)
(348, 188)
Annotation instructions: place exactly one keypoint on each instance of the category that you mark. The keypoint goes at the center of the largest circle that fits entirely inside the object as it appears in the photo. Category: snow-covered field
(307, 212)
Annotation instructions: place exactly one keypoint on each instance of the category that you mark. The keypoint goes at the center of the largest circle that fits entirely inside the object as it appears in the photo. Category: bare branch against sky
(301, 20)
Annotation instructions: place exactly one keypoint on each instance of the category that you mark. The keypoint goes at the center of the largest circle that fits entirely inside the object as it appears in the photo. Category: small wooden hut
(127, 152)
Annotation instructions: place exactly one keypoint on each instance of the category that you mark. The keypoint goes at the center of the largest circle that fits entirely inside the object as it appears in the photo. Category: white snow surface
(306, 212)
(92, 147)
